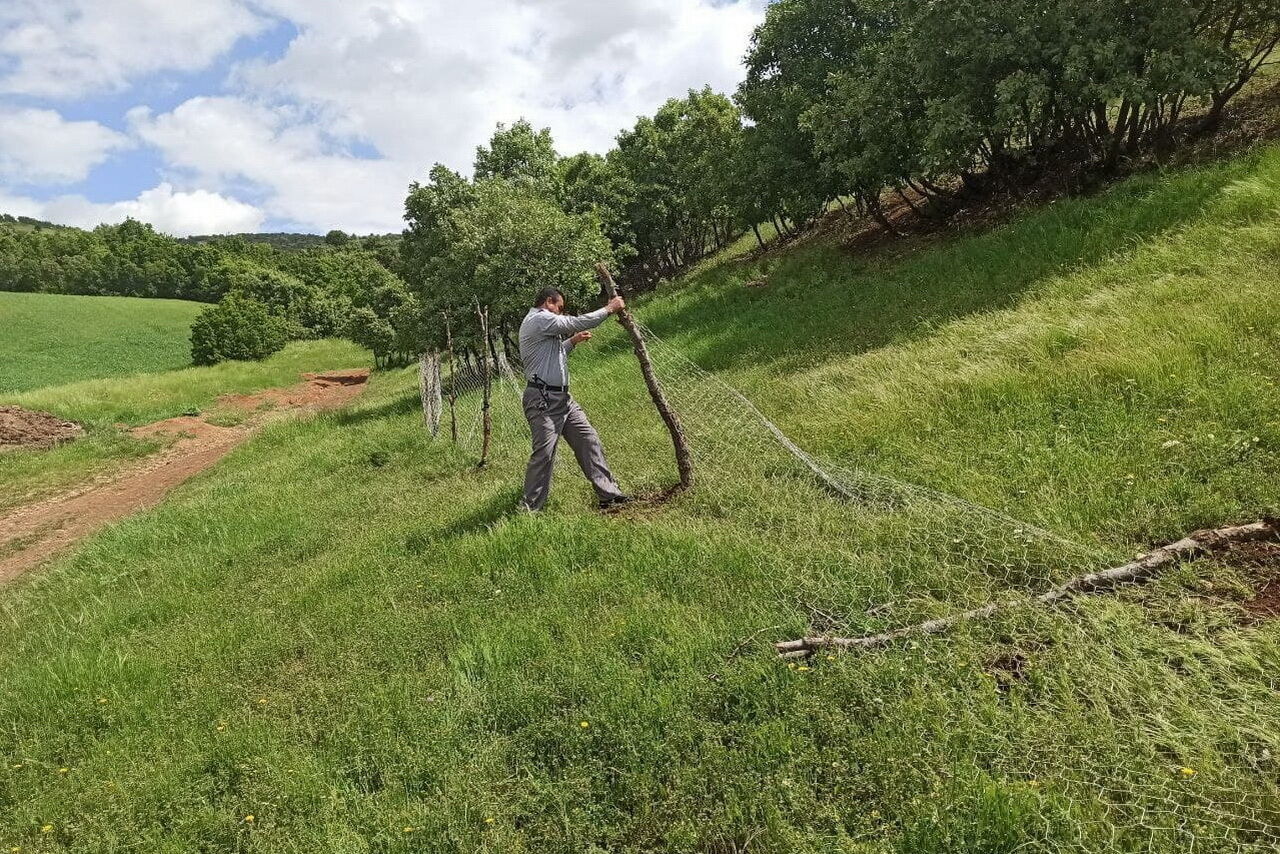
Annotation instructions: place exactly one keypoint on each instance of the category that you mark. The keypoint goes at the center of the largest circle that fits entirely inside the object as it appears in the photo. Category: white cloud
(170, 211)
(229, 143)
(370, 93)
(427, 81)
(40, 147)
(64, 48)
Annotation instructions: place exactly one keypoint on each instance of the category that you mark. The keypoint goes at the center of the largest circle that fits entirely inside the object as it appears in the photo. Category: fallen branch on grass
(1142, 569)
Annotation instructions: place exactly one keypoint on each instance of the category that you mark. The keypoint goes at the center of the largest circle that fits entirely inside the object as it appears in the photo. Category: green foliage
(240, 328)
(593, 185)
(512, 240)
(490, 242)
(521, 155)
(859, 97)
(389, 321)
(50, 339)
(679, 165)
(284, 241)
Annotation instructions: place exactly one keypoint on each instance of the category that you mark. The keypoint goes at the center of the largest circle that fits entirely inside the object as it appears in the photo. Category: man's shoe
(613, 502)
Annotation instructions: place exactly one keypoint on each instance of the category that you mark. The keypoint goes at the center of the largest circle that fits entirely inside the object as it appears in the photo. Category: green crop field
(344, 639)
(51, 339)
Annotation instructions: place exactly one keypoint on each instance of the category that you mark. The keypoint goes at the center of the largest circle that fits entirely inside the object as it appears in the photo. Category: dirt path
(31, 534)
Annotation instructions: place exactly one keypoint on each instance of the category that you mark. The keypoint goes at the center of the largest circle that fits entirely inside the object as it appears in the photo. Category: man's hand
(616, 305)
(578, 338)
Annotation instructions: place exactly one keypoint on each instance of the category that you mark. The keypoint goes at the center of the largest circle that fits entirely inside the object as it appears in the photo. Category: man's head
(552, 299)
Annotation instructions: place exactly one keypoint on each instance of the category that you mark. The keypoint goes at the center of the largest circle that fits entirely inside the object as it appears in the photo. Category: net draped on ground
(893, 553)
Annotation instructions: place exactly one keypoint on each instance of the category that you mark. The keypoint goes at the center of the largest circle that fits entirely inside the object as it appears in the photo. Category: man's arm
(573, 341)
(561, 325)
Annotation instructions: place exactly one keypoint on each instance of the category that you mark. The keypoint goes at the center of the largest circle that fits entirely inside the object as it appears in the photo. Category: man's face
(555, 305)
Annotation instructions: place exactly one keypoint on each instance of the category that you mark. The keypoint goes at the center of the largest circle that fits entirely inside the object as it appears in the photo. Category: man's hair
(546, 295)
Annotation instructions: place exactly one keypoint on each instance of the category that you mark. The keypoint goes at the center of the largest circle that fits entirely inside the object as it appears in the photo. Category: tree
(507, 243)
(521, 155)
(237, 328)
(593, 185)
(679, 165)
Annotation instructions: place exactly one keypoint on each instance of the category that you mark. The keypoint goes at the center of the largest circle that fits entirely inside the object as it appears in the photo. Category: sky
(223, 116)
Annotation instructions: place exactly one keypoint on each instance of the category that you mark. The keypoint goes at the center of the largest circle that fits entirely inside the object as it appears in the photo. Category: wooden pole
(684, 462)
(483, 315)
(429, 388)
(1141, 569)
(453, 380)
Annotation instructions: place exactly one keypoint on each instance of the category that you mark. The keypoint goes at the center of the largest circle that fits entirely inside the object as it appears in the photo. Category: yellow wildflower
(249, 818)
(489, 820)
(584, 724)
(63, 770)
(48, 828)
(1187, 772)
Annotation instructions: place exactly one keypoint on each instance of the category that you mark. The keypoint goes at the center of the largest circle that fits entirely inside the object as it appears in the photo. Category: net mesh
(1125, 751)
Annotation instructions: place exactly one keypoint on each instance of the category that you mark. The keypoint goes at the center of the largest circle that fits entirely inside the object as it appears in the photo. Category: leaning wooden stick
(1136, 571)
(684, 462)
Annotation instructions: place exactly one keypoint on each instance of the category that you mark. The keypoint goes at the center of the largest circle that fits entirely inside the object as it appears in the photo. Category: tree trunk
(684, 462)
(759, 239)
(877, 213)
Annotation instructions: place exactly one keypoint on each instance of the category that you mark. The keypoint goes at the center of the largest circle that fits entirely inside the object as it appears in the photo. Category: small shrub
(236, 328)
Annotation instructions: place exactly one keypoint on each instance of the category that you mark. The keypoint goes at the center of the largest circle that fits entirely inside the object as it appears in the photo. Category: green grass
(103, 405)
(345, 632)
(51, 339)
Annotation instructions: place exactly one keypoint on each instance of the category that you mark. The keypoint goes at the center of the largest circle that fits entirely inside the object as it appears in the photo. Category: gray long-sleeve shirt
(544, 342)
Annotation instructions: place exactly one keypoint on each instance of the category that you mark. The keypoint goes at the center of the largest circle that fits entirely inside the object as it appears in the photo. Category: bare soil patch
(29, 428)
(32, 533)
(1262, 561)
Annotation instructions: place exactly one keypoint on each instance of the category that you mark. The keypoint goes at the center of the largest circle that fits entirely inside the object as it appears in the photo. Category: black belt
(539, 384)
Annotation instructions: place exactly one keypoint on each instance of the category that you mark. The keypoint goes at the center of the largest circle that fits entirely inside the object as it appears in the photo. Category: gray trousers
(553, 414)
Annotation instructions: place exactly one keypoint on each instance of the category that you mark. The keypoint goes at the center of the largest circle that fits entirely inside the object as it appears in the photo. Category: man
(547, 337)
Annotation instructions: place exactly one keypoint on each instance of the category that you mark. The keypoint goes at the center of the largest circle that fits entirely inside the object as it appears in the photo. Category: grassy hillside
(51, 339)
(343, 639)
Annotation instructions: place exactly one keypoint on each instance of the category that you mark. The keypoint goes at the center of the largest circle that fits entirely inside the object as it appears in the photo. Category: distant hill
(26, 223)
(289, 241)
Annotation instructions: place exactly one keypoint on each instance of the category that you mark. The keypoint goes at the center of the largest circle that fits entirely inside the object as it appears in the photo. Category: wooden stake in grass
(429, 389)
(1142, 569)
(453, 380)
(684, 462)
(483, 315)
